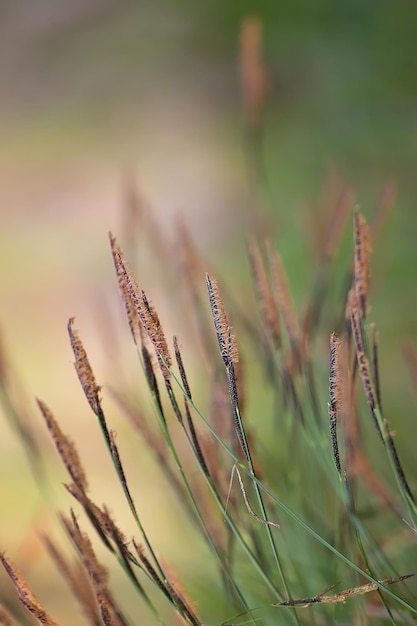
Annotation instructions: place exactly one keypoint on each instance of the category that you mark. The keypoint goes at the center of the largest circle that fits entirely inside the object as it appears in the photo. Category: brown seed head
(26, 595)
(361, 261)
(77, 580)
(84, 370)
(66, 448)
(285, 303)
(227, 341)
(335, 373)
(128, 304)
(144, 311)
(269, 308)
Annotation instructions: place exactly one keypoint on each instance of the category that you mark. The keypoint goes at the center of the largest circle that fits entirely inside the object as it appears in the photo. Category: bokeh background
(98, 93)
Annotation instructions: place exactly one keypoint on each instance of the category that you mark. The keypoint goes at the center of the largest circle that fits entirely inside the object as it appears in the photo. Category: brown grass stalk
(361, 261)
(229, 352)
(180, 596)
(153, 574)
(151, 378)
(77, 580)
(342, 596)
(25, 593)
(363, 364)
(92, 511)
(65, 447)
(269, 310)
(130, 310)
(84, 369)
(98, 575)
(335, 394)
(225, 338)
(145, 312)
(364, 372)
(286, 305)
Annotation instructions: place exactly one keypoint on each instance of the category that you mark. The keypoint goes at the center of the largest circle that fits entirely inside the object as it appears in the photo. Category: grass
(288, 503)
(289, 482)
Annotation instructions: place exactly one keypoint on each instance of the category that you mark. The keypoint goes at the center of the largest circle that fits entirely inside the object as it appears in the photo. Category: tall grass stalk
(307, 457)
(311, 505)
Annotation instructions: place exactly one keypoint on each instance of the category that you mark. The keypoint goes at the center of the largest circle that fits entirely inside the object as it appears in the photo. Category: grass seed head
(84, 369)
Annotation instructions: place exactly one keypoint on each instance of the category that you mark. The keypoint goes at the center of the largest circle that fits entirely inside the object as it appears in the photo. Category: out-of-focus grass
(155, 91)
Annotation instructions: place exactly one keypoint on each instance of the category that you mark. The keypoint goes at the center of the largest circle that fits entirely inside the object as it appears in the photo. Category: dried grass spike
(66, 448)
(84, 369)
(118, 465)
(153, 327)
(342, 596)
(97, 572)
(77, 580)
(151, 570)
(147, 314)
(335, 394)
(130, 310)
(363, 365)
(225, 338)
(180, 596)
(218, 314)
(110, 614)
(361, 261)
(229, 352)
(92, 511)
(269, 308)
(285, 301)
(25, 593)
(181, 368)
(113, 530)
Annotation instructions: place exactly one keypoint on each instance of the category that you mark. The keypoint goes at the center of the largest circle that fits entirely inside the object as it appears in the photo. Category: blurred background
(102, 94)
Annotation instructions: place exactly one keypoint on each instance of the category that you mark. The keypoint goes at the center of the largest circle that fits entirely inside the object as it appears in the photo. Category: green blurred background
(93, 93)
